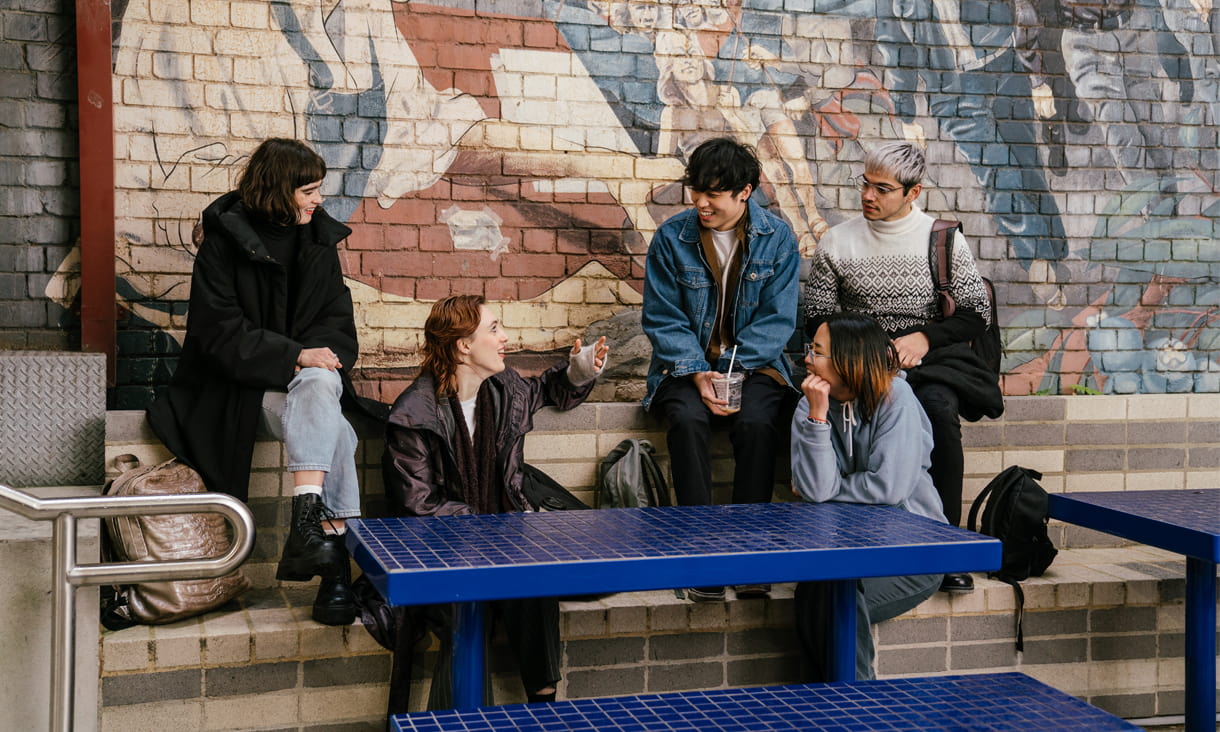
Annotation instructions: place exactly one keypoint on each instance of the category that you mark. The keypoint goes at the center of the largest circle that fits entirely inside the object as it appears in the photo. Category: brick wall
(526, 151)
(38, 173)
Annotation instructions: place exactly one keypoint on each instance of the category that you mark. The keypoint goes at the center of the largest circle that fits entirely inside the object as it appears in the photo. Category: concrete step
(1104, 625)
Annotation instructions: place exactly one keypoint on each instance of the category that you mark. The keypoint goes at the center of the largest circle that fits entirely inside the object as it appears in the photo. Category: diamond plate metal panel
(52, 418)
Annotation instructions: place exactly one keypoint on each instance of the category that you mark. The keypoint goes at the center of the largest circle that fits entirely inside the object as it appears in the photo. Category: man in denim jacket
(720, 276)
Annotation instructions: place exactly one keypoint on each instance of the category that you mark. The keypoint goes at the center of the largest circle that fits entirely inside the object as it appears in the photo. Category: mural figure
(1118, 62)
(698, 109)
(981, 104)
(1188, 20)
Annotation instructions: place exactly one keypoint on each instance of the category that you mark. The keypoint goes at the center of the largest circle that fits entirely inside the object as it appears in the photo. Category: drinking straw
(732, 358)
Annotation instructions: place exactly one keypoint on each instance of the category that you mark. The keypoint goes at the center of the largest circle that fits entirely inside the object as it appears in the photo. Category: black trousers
(940, 404)
(531, 626)
(758, 432)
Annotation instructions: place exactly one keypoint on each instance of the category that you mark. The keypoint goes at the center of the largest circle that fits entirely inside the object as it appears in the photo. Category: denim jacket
(680, 299)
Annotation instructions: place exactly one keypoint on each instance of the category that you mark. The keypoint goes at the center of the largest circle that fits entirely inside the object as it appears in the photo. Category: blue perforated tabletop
(486, 557)
(1009, 702)
(1183, 521)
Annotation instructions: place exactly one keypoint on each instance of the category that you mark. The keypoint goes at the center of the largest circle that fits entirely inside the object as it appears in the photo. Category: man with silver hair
(877, 264)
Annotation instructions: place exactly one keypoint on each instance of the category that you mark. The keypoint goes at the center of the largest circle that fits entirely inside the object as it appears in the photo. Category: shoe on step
(335, 604)
(308, 552)
(957, 583)
(705, 594)
(747, 591)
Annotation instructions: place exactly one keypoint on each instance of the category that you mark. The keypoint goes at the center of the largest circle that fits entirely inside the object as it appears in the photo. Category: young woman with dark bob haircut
(454, 445)
(269, 338)
(859, 436)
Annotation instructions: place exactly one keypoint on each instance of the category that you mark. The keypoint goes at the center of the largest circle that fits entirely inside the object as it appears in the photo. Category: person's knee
(754, 428)
(940, 405)
(688, 423)
(316, 383)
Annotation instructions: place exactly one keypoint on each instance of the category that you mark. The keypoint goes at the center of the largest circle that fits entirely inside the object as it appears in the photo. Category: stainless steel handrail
(67, 575)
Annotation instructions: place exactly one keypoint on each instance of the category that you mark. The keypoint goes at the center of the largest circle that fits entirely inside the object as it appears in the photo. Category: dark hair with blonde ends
(275, 170)
(865, 358)
(451, 319)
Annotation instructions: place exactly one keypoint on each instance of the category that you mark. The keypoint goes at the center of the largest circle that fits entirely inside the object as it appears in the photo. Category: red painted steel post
(95, 104)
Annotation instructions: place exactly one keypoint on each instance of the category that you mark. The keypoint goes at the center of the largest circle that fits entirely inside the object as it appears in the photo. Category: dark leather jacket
(420, 463)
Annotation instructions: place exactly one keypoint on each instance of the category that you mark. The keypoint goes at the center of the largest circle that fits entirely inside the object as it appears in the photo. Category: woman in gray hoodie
(859, 436)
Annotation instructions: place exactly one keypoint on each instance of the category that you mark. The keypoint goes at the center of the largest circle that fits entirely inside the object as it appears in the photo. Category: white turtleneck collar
(901, 226)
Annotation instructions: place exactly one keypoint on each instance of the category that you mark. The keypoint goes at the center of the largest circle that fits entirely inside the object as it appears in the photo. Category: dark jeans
(531, 626)
(877, 599)
(940, 404)
(757, 434)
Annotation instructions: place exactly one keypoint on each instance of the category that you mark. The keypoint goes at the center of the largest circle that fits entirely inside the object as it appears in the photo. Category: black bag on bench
(545, 493)
(1015, 512)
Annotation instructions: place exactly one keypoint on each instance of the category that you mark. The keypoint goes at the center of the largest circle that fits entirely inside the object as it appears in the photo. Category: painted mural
(527, 151)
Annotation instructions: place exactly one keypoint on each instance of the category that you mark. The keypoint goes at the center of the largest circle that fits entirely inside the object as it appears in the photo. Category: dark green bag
(630, 477)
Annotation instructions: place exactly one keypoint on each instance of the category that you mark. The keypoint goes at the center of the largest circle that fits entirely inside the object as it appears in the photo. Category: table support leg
(469, 639)
(1200, 645)
(843, 648)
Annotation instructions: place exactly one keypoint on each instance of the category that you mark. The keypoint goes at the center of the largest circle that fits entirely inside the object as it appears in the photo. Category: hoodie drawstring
(849, 419)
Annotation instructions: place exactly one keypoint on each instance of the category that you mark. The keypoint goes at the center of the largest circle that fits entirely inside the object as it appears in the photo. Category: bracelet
(815, 420)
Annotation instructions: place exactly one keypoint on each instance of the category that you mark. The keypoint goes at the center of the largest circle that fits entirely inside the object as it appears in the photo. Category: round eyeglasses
(863, 184)
(810, 354)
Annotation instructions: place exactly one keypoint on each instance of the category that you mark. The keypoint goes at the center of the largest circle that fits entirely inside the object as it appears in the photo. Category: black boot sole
(337, 615)
(303, 569)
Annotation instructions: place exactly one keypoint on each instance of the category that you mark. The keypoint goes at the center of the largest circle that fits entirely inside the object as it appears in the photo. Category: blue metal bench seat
(1001, 702)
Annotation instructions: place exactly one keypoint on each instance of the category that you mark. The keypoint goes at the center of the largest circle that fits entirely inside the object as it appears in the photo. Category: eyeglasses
(863, 184)
(810, 354)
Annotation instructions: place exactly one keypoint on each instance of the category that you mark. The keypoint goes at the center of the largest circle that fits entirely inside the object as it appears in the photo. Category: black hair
(864, 356)
(275, 170)
(722, 164)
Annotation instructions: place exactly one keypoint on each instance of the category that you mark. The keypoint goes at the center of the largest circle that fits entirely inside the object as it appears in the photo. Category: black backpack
(545, 493)
(1015, 512)
(988, 347)
(629, 477)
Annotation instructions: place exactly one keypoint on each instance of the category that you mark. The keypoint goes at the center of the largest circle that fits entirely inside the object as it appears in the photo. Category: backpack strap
(939, 260)
(654, 479)
(1020, 613)
(978, 502)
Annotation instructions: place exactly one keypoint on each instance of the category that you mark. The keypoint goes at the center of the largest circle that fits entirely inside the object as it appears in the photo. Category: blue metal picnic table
(1185, 522)
(471, 559)
(1007, 702)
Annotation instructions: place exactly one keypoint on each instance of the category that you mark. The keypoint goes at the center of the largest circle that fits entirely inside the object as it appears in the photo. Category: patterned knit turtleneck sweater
(881, 268)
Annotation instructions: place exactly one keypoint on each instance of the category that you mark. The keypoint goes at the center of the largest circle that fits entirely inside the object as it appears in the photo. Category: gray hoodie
(883, 461)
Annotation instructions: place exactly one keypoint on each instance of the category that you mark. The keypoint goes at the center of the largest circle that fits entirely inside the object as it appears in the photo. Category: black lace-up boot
(308, 552)
(335, 604)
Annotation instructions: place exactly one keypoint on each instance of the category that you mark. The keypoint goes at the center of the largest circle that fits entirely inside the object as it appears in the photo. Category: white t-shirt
(725, 243)
(468, 414)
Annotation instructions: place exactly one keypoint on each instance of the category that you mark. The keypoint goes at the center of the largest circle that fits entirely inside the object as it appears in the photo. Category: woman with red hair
(454, 445)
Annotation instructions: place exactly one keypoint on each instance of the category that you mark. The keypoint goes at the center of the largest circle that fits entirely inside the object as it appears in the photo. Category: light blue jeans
(309, 421)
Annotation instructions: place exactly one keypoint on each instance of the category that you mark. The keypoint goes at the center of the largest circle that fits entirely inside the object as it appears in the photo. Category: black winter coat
(241, 339)
(420, 469)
